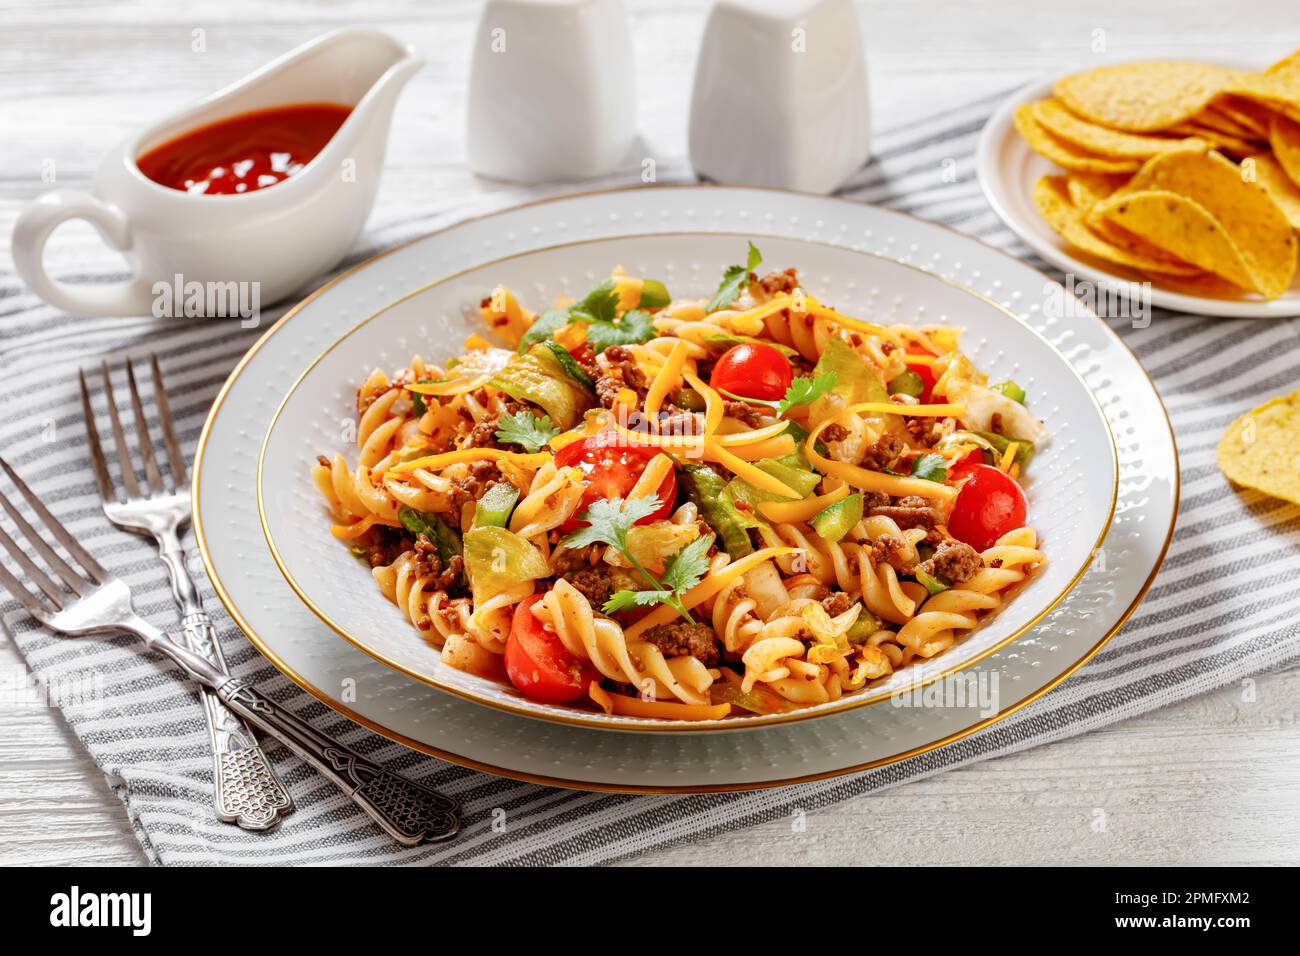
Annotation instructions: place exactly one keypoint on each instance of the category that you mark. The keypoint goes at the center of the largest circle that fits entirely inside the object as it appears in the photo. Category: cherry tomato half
(966, 464)
(753, 371)
(925, 372)
(611, 465)
(538, 663)
(989, 505)
(584, 354)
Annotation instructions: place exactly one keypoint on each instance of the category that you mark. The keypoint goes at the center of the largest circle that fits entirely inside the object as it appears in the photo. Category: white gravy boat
(279, 237)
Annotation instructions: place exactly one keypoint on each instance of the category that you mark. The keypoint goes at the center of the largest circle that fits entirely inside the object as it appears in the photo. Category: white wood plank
(1211, 780)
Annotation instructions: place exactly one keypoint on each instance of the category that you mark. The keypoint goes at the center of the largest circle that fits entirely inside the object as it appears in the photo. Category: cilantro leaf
(734, 279)
(598, 310)
(681, 573)
(931, 467)
(685, 568)
(633, 328)
(802, 391)
(598, 305)
(526, 429)
(805, 390)
(609, 520)
(627, 600)
(543, 327)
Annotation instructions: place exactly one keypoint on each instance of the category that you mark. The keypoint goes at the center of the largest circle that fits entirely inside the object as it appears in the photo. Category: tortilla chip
(1049, 146)
(1051, 196)
(1249, 116)
(1203, 285)
(1284, 137)
(1088, 188)
(1277, 90)
(1261, 449)
(1250, 219)
(1182, 226)
(1099, 140)
(1143, 97)
(1215, 119)
(1163, 264)
(1220, 140)
(1279, 186)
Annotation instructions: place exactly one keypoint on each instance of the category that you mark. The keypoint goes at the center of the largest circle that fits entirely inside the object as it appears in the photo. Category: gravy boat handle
(32, 231)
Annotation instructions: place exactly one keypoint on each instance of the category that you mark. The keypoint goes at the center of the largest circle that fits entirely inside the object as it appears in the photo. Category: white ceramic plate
(1070, 486)
(1008, 169)
(248, 583)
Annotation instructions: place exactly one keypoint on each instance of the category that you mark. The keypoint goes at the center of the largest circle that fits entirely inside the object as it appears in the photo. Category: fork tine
(99, 463)
(61, 534)
(119, 439)
(24, 597)
(169, 430)
(38, 544)
(142, 432)
(32, 568)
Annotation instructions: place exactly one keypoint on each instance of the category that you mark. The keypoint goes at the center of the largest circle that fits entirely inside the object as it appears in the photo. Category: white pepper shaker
(780, 96)
(551, 90)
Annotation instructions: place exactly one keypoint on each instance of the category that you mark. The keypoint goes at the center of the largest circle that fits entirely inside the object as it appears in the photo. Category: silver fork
(93, 601)
(246, 790)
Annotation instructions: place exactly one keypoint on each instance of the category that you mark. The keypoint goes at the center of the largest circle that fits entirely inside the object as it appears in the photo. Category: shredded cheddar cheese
(783, 512)
(667, 378)
(434, 462)
(898, 486)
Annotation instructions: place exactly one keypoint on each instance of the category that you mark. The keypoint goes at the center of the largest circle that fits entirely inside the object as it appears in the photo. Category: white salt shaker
(780, 95)
(551, 90)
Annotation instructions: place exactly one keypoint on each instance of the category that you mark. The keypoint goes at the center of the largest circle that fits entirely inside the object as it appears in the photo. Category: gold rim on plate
(579, 718)
(261, 645)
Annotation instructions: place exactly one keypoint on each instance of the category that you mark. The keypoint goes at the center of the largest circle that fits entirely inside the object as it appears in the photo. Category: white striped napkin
(1226, 605)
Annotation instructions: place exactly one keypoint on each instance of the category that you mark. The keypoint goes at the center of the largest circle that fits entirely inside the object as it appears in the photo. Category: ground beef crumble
(835, 432)
(892, 550)
(428, 565)
(882, 452)
(777, 283)
(681, 638)
(837, 603)
(911, 512)
(745, 412)
(954, 562)
(596, 584)
(482, 476)
(619, 371)
(564, 560)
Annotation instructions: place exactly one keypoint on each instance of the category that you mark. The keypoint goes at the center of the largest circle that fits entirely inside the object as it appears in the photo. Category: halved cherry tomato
(925, 372)
(584, 354)
(611, 465)
(966, 464)
(538, 663)
(753, 371)
(989, 505)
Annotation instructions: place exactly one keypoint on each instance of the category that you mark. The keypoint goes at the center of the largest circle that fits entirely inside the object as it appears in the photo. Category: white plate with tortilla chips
(1024, 186)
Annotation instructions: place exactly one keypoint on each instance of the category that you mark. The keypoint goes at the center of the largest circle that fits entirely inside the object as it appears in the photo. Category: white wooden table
(1212, 780)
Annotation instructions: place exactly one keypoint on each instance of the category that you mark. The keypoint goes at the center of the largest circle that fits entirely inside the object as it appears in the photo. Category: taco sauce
(241, 154)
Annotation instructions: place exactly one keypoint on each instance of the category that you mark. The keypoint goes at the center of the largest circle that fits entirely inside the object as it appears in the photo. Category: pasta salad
(690, 508)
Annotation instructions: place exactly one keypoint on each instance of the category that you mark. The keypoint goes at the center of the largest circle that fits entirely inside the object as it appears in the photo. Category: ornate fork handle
(408, 811)
(247, 791)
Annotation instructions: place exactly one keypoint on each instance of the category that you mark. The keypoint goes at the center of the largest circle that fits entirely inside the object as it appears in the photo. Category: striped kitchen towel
(1226, 605)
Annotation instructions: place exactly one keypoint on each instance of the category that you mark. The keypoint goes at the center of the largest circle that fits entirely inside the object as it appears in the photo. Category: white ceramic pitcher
(279, 237)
